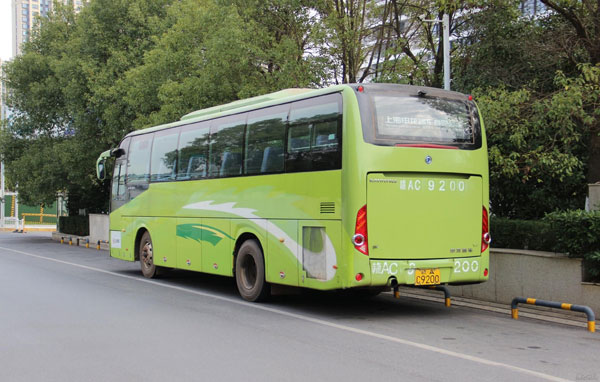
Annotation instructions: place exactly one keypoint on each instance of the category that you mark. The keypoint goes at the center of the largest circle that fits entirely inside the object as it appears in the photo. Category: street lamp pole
(445, 21)
(446, 37)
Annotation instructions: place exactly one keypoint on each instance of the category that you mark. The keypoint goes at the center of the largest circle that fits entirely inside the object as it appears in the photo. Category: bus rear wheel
(250, 272)
(146, 255)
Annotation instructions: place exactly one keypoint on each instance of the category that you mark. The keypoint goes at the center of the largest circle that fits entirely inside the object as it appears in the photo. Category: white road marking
(317, 321)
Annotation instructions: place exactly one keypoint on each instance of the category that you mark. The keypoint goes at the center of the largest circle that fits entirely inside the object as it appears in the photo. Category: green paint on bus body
(423, 211)
(200, 233)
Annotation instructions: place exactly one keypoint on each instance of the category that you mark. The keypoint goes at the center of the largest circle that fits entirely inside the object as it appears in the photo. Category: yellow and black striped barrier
(591, 325)
(447, 296)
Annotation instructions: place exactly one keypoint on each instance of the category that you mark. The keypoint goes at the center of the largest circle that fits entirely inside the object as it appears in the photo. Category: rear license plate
(430, 276)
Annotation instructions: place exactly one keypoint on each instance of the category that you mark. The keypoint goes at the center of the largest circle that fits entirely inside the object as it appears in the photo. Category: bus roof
(243, 105)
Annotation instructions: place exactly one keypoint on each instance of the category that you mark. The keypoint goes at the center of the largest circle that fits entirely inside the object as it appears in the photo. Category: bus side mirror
(101, 164)
(100, 170)
(116, 153)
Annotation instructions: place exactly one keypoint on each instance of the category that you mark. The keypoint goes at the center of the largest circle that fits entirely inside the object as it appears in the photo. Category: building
(532, 7)
(3, 111)
(24, 14)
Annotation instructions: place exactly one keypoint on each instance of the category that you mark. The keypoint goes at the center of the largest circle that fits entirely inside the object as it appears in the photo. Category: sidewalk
(32, 228)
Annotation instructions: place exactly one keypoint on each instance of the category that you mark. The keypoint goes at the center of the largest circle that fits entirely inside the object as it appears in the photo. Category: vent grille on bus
(328, 207)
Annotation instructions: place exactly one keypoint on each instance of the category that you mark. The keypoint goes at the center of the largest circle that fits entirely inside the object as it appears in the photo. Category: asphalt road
(75, 314)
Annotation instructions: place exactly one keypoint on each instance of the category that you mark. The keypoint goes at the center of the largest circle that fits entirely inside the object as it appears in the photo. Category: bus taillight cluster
(360, 232)
(485, 231)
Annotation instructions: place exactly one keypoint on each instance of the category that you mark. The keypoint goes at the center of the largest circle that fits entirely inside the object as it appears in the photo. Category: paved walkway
(32, 228)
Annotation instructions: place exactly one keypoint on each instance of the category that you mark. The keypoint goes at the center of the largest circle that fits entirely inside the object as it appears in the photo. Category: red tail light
(360, 232)
(485, 231)
(426, 145)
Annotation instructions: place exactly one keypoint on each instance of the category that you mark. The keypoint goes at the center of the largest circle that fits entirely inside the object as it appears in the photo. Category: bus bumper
(451, 271)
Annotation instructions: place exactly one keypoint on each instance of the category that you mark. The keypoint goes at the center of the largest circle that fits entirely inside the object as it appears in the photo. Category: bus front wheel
(147, 256)
(250, 272)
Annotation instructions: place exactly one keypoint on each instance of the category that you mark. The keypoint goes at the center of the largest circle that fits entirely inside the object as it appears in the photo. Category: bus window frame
(184, 129)
(313, 150)
(161, 133)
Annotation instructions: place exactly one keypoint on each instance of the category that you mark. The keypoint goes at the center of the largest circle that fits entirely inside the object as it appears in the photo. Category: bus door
(118, 197)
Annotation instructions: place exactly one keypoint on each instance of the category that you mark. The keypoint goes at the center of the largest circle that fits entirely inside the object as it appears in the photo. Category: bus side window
(164, 155)
(193, 151)
(119, 191)
(272, 160)
(138, 164)
(231, 164)
(118, 186)
(265, 135)
(226, 142)
(314, 134)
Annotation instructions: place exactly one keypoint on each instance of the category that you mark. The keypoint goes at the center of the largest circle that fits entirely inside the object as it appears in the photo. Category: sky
(5, 30)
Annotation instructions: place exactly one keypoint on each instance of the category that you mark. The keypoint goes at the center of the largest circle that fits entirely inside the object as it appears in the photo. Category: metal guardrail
(40, 215)
(591, 325)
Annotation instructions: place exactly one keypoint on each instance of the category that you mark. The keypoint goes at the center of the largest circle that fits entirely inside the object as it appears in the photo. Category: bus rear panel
(423, 157)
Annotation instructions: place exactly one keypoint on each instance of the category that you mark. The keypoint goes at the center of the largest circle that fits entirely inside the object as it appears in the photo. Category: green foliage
(67, 105)
(592, 265)
(488, 55)
(583, 17)
(538, 145)
(214, 54)
(574, 232)
(74, 225)
(577, 232)
(534, 235)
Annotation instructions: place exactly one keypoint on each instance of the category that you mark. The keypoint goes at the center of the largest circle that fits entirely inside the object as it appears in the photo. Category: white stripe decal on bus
(272, 229)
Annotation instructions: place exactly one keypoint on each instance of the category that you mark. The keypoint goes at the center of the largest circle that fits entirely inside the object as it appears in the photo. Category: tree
(66, 101)
(488, 55)
(214, 54)
(584, 17)
(538, 145)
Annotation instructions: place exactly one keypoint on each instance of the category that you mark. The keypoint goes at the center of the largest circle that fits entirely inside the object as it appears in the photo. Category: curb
(79, 241)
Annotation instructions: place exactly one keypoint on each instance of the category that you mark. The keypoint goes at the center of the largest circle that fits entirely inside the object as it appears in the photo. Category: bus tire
(250, 272)
(146, 254)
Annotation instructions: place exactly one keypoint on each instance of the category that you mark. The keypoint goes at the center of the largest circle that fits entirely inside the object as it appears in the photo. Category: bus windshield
(400, 118)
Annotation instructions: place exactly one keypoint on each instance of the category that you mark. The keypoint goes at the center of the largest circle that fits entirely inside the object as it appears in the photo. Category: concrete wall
(541, 275)
(98, 228)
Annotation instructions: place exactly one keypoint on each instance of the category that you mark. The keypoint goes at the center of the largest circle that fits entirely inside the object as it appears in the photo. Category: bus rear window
(412, 119)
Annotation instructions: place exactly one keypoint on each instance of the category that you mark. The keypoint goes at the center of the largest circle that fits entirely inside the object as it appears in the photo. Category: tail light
(485, 231)
(360, 232)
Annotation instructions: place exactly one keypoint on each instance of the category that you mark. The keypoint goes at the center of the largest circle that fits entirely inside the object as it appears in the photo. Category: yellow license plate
(430, 276)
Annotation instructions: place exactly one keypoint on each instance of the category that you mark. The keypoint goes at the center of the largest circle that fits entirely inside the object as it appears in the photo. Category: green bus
(352, 186)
